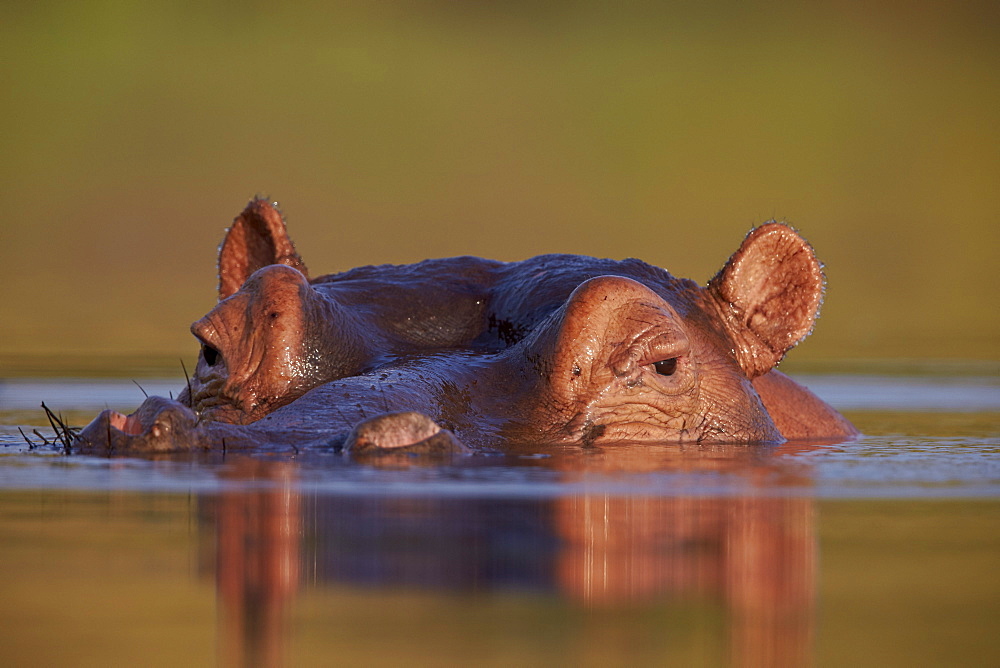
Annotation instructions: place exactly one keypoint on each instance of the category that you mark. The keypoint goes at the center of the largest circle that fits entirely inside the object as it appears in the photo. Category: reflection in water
(752, 558)
(257, 563)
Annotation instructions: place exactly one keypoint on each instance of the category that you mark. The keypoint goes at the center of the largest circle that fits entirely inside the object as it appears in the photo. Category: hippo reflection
(465, 353)
(750, 560)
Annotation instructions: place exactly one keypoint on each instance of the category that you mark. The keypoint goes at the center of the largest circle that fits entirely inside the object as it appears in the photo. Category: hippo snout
(158, 425)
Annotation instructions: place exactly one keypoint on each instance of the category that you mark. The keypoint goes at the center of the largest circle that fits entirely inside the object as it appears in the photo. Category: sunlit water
(879, 551)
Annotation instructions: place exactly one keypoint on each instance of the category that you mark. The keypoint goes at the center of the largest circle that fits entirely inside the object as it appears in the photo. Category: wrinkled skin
(464, 353)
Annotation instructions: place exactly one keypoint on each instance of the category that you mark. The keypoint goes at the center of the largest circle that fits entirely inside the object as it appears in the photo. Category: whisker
(188, 379)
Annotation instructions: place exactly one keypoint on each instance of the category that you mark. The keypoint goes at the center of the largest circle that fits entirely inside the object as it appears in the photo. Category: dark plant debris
(64, 434)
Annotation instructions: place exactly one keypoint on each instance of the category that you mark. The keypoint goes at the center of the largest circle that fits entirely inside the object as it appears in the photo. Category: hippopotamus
(466, 354)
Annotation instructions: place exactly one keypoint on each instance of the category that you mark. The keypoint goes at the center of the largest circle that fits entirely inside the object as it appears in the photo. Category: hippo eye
(210, 354)
(666, 367)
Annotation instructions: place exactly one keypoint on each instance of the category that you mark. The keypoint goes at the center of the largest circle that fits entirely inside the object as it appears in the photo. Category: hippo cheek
(734, 413)
(638, 415)
(712, 404)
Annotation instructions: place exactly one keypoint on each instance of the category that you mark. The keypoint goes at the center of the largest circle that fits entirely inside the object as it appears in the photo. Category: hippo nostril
(666, 367)
(210, 354)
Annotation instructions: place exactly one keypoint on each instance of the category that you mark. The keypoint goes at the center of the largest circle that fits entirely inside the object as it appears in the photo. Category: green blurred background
(396, 131)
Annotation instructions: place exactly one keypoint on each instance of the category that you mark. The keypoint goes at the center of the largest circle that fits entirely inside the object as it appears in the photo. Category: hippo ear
(257, 238)
(769, 291)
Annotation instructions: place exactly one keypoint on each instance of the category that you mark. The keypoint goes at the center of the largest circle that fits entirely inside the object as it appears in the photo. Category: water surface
(878, 551)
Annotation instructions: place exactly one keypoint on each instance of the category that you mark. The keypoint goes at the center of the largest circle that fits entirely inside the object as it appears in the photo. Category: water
(879, 551)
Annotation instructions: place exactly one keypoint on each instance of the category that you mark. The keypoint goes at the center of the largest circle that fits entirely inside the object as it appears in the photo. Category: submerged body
(465, 353)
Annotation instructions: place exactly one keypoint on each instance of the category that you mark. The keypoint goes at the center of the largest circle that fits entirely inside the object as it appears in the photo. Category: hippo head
(605, 352)
(272, 336)
(622, 362)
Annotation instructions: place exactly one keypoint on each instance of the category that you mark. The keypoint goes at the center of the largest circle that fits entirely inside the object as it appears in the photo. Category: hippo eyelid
(664, 351)
(666, 362)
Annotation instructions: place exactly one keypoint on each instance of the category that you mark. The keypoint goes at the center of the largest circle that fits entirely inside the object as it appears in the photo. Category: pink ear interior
(257, 238)
(771, 290)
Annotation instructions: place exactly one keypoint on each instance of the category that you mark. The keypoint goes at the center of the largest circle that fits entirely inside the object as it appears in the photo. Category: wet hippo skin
(465, 354)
